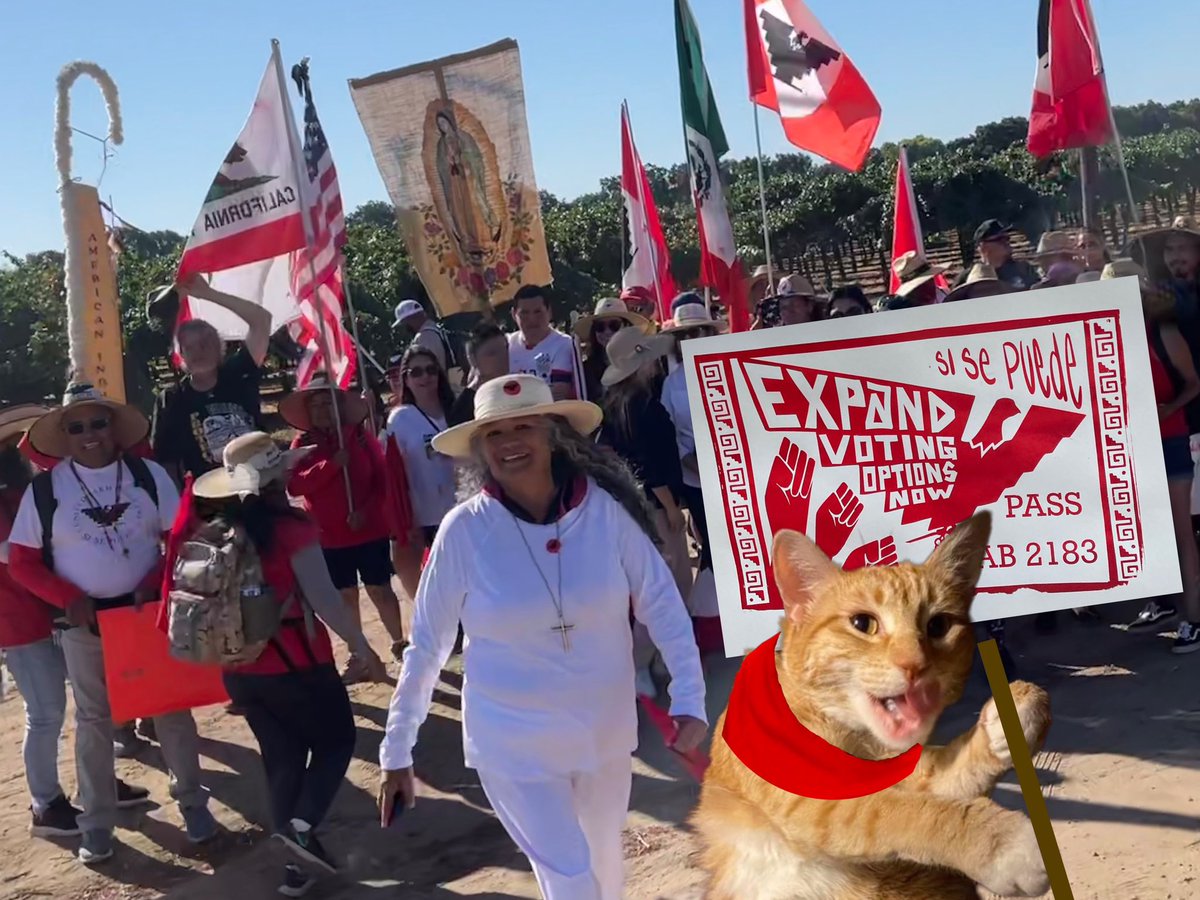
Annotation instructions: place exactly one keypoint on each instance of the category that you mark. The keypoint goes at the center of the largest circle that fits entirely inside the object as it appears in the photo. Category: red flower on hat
(512, 388)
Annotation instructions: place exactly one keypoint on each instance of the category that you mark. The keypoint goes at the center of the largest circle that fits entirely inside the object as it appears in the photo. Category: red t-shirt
(24, 618)
(291, 535)
(1175, 425)
(322, 486)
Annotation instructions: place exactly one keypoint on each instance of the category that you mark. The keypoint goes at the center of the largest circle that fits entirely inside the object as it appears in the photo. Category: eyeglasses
(421, 371)
(613, 325)
(842, 313)
(78, 428)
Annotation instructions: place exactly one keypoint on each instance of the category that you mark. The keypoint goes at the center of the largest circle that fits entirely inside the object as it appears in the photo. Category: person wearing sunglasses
(595, 331)
(88, 537)
(425, 401)
(848, 300)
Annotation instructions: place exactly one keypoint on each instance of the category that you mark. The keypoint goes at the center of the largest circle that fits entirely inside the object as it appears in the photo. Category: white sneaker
(643, 683)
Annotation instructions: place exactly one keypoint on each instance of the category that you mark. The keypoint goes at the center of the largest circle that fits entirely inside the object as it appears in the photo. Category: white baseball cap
(406, 309)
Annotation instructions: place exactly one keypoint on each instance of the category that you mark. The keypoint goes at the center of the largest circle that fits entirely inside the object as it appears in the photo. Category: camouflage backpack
(221, 609)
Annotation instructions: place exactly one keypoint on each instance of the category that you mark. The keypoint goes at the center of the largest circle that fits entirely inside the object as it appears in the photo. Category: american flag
(316, 272)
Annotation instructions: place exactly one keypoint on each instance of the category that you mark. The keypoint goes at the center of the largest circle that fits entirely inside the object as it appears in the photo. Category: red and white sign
(876, 435)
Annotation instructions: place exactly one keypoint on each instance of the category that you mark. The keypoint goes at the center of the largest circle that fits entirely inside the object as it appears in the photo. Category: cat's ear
(800, 568)
(959, 557)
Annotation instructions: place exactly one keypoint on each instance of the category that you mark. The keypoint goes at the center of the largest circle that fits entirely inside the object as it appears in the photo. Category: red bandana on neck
(764, 733)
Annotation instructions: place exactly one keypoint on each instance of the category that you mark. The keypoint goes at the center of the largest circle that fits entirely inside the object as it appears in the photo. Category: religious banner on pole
(876, 435)
(451, 141)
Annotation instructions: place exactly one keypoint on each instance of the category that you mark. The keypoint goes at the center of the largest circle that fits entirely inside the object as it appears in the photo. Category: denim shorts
(1177, 454)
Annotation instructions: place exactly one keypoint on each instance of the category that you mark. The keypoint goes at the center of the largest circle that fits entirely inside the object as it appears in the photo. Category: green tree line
(831, 224)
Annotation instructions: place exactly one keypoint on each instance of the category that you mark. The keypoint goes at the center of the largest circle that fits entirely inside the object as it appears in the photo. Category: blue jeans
(41, 676)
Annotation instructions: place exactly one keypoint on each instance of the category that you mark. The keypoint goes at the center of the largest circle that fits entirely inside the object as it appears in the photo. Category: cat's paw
(1017, 869)
(1033, 709)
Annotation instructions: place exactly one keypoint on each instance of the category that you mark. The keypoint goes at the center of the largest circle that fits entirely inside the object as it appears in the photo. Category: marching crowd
(538, 501)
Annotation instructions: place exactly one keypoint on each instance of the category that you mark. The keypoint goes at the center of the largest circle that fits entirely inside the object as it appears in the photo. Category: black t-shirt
(463, 409)
(192, 427)
(649, 448)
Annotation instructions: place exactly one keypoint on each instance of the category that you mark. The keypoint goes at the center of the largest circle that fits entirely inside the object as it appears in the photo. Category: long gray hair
(574, 454)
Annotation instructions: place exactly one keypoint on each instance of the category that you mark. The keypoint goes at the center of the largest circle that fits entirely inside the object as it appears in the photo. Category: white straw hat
(516, 397)
(252, 461)
(16, 420)
(692, 315)
(611, 308)
(293, 408)
(129, 426)
(629, 350)
(914, 270)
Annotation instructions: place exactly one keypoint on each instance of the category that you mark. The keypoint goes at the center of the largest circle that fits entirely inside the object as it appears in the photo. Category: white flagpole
(662, 310)
(309, 239)
(1134, 213)
(762, 199)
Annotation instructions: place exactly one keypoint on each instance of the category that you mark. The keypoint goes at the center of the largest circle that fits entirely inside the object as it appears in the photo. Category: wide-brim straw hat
(1147, 249)
(1055, 243)
(611, 308)
(914, 270)
(981, 282)
(293, 408)
(795, 286)
(16, 420)
(693, 315)
(1156, 304)
(628, 351)
(251, 462)
(129, 426)
(516, 397)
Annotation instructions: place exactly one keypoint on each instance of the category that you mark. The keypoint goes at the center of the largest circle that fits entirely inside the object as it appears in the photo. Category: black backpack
(44, 500)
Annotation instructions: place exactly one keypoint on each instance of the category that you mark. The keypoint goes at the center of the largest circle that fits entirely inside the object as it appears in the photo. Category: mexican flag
(720, 268)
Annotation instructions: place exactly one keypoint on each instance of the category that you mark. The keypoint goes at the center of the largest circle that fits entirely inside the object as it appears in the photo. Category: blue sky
(187, 73)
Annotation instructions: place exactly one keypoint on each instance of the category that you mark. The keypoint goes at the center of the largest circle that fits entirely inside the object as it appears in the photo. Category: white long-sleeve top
(675, 401)
(530, 708)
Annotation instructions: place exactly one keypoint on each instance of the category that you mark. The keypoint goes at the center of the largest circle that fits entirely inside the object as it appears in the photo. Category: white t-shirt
(431, 486)
(530, 708)
(86, 553)
(675, 400)
(554, 359)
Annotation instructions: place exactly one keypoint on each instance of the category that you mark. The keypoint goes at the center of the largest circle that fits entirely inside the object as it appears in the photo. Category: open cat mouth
(903, 716)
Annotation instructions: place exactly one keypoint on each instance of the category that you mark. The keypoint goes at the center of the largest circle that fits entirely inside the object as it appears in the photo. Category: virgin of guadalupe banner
(451, 141)
(876, 435)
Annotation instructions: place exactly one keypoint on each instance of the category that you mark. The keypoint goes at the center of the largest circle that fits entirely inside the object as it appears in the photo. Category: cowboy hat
(46, 435)
(760, 273)
(628, 351)
(795, 286)
(251, 462)
(1055, 243)
(16, 420)
(982, 281)
(611, 308)
(294, 407)
(1154, 241)
(691, 315)
(914, 270)
(517, 397)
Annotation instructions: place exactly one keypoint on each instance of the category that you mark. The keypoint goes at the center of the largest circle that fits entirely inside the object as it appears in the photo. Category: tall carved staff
(93, 310)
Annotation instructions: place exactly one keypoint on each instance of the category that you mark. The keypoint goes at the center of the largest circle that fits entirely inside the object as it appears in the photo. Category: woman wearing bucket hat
(88, 537)
(32, 655)
(594, 333)
(354, 540)
(293, 699)
(638, 428)
(541, 564)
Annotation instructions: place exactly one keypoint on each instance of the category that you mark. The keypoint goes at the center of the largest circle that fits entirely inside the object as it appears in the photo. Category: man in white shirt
(537, 348)
(88, 537)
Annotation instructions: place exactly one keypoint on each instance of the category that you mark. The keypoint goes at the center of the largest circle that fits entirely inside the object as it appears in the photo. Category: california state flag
(250, 220)
(649, 261)
(720, 267)
(797, 69)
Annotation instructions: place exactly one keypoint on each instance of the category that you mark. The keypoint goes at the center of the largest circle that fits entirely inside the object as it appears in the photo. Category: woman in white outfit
(541, 565)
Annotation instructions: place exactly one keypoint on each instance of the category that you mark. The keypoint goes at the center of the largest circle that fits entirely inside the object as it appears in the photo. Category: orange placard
(143, 678)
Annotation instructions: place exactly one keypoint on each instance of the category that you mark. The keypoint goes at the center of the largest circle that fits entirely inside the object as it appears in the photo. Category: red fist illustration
(836, 519)
(789, 489)
(875, 553)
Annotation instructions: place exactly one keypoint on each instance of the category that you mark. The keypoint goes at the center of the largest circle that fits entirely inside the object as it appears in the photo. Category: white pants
(570, 828)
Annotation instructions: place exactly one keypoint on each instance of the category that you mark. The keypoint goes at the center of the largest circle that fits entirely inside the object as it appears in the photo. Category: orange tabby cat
(869, 661)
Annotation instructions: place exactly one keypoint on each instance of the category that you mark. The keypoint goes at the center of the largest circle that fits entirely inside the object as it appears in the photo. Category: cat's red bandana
(764, 733)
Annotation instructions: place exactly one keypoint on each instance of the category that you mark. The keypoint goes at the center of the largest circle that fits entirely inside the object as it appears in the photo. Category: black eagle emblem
(793, 55)
(106, 516)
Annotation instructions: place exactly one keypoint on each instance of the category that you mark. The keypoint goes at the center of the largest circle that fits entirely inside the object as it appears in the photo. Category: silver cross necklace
(562, 627)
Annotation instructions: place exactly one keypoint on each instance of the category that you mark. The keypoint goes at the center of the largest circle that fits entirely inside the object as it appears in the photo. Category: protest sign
(875, 435)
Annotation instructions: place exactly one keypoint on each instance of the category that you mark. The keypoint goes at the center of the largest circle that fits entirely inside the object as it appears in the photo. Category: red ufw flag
(798, 70)
(906, 229)
(1070, 98)
(649, 259)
